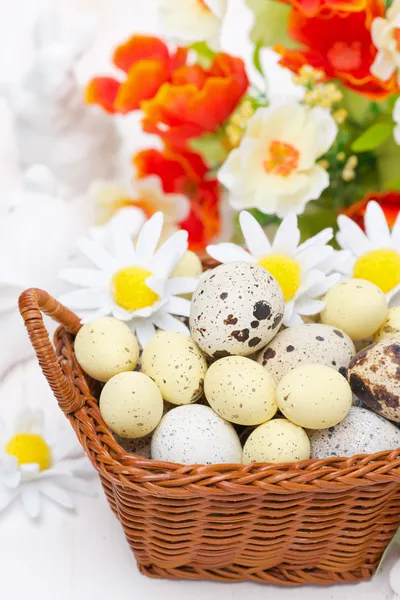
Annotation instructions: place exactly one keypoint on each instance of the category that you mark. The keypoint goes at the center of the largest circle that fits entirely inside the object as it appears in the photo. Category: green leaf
(256, 58)
(205, 55)
(393, 185)
(372, 138)
(211, 148)
(270, 23)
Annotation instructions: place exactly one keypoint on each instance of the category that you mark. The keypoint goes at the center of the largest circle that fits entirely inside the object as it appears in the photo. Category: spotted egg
(307, 344)
(374, 377)
(236, 309)
(391, 326)
(361, 432)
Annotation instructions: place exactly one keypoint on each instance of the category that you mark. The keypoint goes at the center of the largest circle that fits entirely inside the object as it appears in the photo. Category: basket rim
(130, 470)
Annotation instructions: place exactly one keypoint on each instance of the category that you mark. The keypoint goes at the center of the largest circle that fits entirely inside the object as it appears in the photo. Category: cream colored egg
(314, 396)
(105, 347)
(391, 325)
(355, 306)
(278, 441)
(177, 365)
(131, 405)
(241, 391)
(189, 266)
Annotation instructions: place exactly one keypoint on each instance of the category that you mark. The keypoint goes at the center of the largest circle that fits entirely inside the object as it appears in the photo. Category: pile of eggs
(245, 389)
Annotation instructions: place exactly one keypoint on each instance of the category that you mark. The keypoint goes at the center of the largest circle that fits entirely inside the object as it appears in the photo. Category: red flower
(388, 201)
(196, 100)
(147, 63)
(314, 7)
(186, 173)
(339, 44)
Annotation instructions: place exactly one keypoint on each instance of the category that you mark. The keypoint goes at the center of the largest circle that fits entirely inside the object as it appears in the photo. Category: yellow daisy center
(381, 267)
(286, 271)
(130, 290)
(30, 448)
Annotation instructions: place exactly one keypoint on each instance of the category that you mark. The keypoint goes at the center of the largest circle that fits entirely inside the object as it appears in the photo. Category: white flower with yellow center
(274, 168)
(375, 254)
(132, 282)
(189, 21)
(386, 37)
(33, 466)
(303, 271)
(396, 119)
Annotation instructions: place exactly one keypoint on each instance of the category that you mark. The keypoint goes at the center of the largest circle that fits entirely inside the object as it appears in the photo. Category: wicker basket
(318, 521)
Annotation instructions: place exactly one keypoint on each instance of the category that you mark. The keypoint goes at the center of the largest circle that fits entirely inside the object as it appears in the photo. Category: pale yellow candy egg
(241, 391)
(105, 347)
(131, 405)
(355, 306)
(314, 396)
(189, 266)
(391, 325)
(177, 365)
(278, 441)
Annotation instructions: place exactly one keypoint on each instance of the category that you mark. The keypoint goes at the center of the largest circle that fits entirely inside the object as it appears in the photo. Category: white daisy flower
(304, 271)
(132, 282)
(396, 119)
(386, 37)
(190, 21)
(33, 466)
(275, 166)
(375, 254)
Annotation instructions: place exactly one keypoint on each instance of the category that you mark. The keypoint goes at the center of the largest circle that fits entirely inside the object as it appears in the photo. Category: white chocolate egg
(278, 441)
(131, 405)
(361, 432)
(194, 434)
(355, 306)
(105, 347)
(240, 391)
(177, 366)
(314, 396)
(391, 325)
(307, 344)
(189, 266)
(236, 309)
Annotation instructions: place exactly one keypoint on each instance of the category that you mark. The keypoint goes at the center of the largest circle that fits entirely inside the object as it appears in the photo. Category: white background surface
(83, 556)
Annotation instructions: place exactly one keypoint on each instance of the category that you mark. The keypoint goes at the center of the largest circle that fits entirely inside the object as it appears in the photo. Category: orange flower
(147, 63)
(314, 7)
(339, 44)
(186, 173)
(196, 100)
(389, 202)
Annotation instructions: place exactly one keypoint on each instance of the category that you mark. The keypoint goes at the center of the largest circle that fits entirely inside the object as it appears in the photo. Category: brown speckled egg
(361, 432)
(374, 376)
(307, 344)
(236, 309)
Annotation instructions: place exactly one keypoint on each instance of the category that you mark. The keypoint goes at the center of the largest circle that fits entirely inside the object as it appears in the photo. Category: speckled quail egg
(307, 344)
(177, 365)
(131, 405)
(361, 432)
(236, 309)
(391, 325)
(139, 446)
(278, 441)
(374, 376)
(241, 391)
(194, 434)
(105, 347)
(314, 396)
(356, 307)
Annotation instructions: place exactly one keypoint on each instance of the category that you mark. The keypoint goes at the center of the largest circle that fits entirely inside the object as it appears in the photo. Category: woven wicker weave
(318, 521)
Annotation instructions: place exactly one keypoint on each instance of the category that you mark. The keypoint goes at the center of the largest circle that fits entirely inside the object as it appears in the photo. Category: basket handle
(32, 303)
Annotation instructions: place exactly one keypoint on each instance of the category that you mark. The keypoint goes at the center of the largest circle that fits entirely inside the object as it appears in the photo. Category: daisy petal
(334, 261)
(393, 297)
(57, 494)
(85, 299)
(145, 330)
(313, 278)
(169, 254)
(322, 238)
(121, 314)
(167, 322)
(309, 307)
(376, 226)
(104, 311)
(181, 285)
(31, 500)
(157, 285)
(254, 235)
(30, 471)
(97, 254)
(178, 306)
(351, 237)
(6, 497)
(87, 278)
(122, 244)
(294, 320)
(396, 234)
(287, 237)
(312, 256)
(227, 252)
(148, 239)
